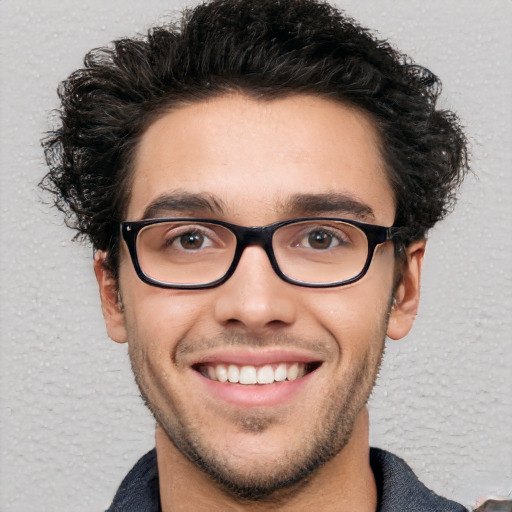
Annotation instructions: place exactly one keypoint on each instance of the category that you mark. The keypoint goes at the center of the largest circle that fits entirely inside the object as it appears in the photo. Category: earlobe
(407, 295)
(111, 304)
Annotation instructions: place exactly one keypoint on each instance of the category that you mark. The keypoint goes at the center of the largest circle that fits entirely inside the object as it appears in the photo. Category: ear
(407, 294)
(110, 299)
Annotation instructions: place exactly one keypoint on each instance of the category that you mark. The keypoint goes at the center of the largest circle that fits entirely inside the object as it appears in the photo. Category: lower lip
(254, 395)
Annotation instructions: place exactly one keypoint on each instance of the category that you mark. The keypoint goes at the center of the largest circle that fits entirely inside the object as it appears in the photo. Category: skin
(253, 157)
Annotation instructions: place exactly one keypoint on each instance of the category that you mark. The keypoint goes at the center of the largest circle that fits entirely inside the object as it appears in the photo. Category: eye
(191, 240)
(321, 240)
(319, 237)
(324, 237)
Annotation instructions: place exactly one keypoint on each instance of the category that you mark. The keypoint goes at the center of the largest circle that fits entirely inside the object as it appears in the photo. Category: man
(258, 182)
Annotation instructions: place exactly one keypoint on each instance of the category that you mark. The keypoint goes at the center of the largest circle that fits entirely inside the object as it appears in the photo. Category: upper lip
(250, 357)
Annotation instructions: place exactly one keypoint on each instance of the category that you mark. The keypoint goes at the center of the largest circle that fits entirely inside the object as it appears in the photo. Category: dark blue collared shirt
(399, 489)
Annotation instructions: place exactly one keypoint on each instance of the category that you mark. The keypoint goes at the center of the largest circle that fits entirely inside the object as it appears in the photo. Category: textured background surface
(72, 421)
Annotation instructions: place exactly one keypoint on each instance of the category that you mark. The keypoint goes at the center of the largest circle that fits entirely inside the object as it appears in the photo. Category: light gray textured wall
(72, 421)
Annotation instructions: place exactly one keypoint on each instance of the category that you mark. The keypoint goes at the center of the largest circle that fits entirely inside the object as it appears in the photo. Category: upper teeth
(266, 374)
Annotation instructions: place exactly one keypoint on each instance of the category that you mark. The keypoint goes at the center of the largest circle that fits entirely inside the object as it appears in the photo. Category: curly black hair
(265, 49)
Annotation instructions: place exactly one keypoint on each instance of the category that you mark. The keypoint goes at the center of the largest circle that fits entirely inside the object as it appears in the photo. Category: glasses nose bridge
(257, 236)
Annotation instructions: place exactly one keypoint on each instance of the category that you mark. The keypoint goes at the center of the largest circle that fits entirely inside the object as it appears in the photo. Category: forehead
(254, 158)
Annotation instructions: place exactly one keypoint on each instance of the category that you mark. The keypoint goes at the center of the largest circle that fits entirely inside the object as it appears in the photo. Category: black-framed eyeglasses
(191, 253)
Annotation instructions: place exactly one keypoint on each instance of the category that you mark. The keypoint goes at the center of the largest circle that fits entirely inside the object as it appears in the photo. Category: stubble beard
(273, 483)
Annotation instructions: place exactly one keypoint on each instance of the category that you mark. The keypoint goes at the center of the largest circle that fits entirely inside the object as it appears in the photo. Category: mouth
(256, 374)
(255, 378)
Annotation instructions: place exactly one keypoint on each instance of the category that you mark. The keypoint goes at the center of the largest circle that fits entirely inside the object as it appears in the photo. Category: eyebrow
(180, 203)
(305, 205)
(299, 205)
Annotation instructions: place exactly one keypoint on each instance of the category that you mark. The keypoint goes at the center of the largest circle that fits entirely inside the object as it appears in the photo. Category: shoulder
(139, 491)
(400, 490)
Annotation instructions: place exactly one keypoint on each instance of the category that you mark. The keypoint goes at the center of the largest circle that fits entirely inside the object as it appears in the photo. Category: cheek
(355, 306)
(157, 318)
(356, 316)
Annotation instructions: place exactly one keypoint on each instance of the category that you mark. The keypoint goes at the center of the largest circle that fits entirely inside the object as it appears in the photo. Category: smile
(254, 378)
(249, 374)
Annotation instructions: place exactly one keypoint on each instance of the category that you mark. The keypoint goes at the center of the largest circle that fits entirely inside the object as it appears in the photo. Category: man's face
(254, 162)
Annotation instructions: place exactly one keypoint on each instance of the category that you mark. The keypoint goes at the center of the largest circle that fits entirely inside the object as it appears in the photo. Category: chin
(264, 459)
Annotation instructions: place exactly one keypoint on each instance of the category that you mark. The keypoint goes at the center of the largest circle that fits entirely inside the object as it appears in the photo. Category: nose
(254, 298)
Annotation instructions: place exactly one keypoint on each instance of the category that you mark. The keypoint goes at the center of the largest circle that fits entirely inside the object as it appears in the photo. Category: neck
(344, 484)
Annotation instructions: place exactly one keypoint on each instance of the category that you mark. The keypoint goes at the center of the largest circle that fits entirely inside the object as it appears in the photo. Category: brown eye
(320, 240)
(191, 240)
